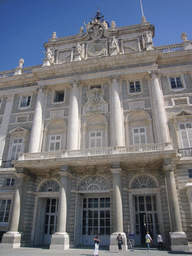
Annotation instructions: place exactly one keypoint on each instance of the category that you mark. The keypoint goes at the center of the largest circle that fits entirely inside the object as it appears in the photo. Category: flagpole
(143, 17)
(141, 8)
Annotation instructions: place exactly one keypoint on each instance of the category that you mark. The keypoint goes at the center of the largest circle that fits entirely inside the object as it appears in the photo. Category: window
(25, 101)
(139, 136)
(95, 86)
(134, 86)
(176, 82)
(9, 182)
(95, 139)
(190, 173)
(5, 206)
(59, 96)
(186, 135)
(55, 142)
(17, 148)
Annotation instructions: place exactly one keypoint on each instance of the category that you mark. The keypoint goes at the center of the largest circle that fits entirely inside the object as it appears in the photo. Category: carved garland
(143, 181)
(93, 184)
(49, 186)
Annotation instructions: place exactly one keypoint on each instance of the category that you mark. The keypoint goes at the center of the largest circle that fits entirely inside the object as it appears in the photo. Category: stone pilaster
(178, 238)
(159, 111)
(116, 114)
(5, 124)
(74, 120)
(117, 209)
(60, 240)
(12, 238)
(36, 131)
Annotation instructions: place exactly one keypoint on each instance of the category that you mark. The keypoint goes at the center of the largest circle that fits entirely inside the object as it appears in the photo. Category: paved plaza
(83, 252)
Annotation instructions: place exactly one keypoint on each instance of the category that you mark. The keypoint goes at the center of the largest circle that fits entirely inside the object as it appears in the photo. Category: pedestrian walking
(160, 241)
(96, 241)
(148, 240)
(120, 242)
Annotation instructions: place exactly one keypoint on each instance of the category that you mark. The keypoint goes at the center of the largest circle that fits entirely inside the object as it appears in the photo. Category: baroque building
(98, 139)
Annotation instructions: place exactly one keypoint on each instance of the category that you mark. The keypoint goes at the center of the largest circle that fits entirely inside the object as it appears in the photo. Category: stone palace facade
(98, 139)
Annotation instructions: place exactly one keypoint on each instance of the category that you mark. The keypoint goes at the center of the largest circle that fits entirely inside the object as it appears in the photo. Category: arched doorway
(94, 212)
(144, 208)
(47, 202)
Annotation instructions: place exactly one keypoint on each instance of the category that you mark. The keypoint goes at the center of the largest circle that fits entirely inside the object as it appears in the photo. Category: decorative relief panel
(137, 105)
(143, 181)
(49, 186)
(57, 114)
(93, 184)
(65, 56)
(131, 46)
(95, 103)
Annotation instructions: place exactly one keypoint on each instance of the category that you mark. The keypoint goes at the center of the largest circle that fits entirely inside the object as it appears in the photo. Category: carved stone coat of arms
(95, 102)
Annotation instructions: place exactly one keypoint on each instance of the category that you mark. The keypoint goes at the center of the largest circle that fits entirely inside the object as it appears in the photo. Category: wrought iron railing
(7, 164)
(185, 152)
(97, 152)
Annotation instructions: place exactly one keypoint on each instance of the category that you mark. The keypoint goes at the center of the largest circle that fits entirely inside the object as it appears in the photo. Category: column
(117, 209)
(73, 125)
(5, 124)
(159, 111)
(178, 238)
(60, 240)
(36, 131)
(12, 238)
(116, 114)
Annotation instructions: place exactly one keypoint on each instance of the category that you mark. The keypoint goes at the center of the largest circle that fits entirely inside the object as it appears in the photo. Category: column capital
(154, 73)
(168, 165)
(115, 77)
(64, 170)
(21, 172)
(116, 170)
(75, 82)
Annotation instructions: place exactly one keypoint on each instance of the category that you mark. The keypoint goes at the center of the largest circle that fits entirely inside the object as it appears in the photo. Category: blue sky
(27, 24)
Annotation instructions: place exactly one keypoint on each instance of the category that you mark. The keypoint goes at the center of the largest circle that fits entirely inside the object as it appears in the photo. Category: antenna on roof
(143, 16)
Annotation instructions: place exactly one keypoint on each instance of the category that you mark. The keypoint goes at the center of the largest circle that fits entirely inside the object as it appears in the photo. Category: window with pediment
(95, 132)
(18, 137)
(55, 136)
(138, 128)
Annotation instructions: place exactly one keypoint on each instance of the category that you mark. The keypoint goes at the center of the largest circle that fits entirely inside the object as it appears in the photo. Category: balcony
(7, 164)
(185, 152)
(96, 152)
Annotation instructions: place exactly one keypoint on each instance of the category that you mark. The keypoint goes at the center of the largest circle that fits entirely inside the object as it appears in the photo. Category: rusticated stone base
(179, 242)
(11, 240)
(59, 241)
(114, 244)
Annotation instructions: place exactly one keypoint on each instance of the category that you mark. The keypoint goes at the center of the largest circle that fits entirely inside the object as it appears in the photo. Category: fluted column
(116, 114)
(36, 131)
(177, 236)
(60, 240)
(73, 126)
(158, 107)
(5, 124)
(117, 208)
(12, 239)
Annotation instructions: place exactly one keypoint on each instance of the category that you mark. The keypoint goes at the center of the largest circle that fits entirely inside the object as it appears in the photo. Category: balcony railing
(7, 164)
(185, 152)
(97, 152)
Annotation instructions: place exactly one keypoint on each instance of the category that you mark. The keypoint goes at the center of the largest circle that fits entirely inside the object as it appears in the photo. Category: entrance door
(145, 218)
(50, 219)
(96, 219)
